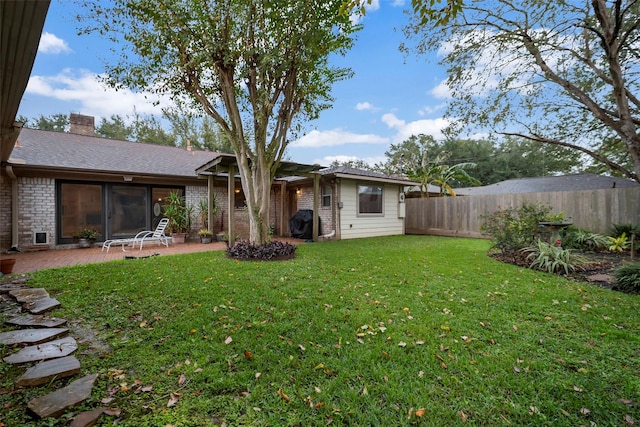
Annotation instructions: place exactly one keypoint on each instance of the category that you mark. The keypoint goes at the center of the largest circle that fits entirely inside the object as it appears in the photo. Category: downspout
(14, 209)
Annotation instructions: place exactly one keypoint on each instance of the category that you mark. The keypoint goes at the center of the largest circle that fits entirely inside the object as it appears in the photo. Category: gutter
(14, 210)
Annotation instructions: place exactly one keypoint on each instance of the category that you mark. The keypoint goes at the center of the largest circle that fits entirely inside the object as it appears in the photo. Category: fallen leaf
(283, 395)
(628, 420)
(419, 342)
(182, 379)
(317, 390)
(463, 417)
(143, 324)
(255, 408)
(585, 411)
(106, 400)
(248, 354)
(516, 369)
(257, 375)
(173, 399)
(402, 344)
(533, 410)
(113, 412)
(420, 412)
(421, 374)
(515, 328)
(319, 405)
(193, 331)
(146, 388)
(576, 388)
(228, 340)
(301, 347)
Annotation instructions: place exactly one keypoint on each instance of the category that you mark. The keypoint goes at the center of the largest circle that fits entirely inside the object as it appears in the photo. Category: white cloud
(362, 106)
(50, 43)
(405, 130)
(335, 137)
(428, 109)
(95, 98)
(327, 160)
(397, 3)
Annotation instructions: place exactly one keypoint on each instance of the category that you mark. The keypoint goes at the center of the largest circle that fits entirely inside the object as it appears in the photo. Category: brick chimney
(82, 125)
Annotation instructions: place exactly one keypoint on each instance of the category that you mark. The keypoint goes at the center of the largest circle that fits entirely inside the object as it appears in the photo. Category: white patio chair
(143, 236)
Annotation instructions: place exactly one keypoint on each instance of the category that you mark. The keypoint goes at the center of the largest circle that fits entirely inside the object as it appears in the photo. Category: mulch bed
(598, 271)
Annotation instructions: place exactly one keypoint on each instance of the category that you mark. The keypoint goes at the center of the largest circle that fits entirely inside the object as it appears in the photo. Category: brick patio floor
(27, 262)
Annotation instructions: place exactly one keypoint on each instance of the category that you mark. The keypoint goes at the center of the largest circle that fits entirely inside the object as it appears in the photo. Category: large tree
(258, 68)
(555, 72)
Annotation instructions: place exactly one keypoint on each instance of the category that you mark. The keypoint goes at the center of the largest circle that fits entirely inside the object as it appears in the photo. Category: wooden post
(210, 223)
(283, 207)
(316, 206)
(231, 187)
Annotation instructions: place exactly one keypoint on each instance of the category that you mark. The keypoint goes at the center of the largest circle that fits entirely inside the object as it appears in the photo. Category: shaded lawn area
(387, 331)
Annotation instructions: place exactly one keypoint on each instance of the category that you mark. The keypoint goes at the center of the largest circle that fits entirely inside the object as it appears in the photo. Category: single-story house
(55, 184)
(542, 184)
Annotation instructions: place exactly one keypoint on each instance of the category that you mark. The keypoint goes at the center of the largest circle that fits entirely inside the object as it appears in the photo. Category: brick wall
(5, 213)
(326, 214)
(37, 198)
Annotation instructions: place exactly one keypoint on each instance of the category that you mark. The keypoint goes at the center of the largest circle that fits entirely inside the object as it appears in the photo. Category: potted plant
(206, 236)
(179, 215)
(203, 210)
(86, 237)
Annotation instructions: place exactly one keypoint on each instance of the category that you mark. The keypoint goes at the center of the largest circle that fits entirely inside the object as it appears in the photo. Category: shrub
(268, 252)
(628, 277)
(513, 229)
(619, 244)
(552, 258)
(618, 230)
(583, 240)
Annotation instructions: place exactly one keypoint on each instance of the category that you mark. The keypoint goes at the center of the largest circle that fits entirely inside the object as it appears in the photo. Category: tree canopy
(561, 72)
(258, 68)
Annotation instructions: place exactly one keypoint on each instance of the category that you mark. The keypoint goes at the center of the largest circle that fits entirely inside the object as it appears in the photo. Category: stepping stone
(5, 288)
(31, 336)
(49, 350)
(37, 320)
(55, 404)
(42, 305)
(46, 371)
(87, 418)
(29, 294)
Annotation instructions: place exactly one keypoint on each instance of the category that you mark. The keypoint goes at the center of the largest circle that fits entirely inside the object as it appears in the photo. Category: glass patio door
(128, 210)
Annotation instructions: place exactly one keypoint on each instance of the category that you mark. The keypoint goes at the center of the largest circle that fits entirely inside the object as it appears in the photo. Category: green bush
(618, 230)
(619, 244)
(514, 229)
(553, 259)
(628, 277)
(583, 240)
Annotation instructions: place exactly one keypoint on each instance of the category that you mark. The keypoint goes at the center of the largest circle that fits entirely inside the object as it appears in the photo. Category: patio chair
(143, 236)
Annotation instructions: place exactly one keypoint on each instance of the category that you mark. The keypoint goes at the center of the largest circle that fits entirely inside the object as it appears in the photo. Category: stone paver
(49, 350)
(46, 371)
(42, 305)
(37, 320)
(31, 336)
(56, 403)
(87, 418)
(28, 295)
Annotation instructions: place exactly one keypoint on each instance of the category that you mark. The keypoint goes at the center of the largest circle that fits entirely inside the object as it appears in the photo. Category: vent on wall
(40, 238)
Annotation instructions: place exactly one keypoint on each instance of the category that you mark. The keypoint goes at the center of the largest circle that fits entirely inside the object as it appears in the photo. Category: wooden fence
(593, 210)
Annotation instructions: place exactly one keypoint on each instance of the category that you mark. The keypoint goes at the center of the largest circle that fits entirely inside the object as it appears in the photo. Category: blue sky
(390, 97)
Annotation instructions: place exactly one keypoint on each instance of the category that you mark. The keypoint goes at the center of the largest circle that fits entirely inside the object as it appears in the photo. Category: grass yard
(406, 330)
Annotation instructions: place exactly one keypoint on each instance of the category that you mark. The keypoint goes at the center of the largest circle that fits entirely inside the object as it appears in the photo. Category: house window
(370, 199)
(326, 196)
(81, 206)
(239, 200)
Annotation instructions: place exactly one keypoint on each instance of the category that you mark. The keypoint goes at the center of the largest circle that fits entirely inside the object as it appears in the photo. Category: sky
(390, 97)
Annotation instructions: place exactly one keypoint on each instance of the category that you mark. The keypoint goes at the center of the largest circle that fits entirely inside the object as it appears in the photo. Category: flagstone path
(45, 351)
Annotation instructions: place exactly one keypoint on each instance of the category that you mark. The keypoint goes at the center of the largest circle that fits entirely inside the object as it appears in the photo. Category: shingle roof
(346, 170)
(575, 182)
(69, 151)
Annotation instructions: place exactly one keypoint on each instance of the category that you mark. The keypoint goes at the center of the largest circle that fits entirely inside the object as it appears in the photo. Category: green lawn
(387, 331)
